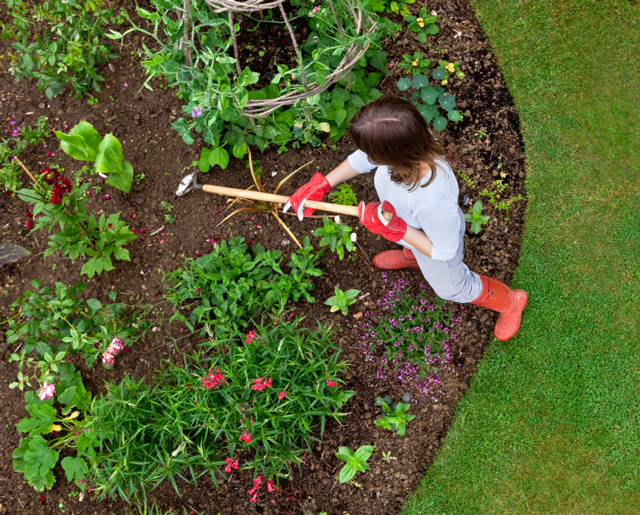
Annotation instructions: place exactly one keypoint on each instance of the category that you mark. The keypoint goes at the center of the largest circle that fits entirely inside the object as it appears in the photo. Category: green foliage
(446, 69)
(475, 217)
(392, 6)
(256, 398)
(54, 321)
(58, 42)
(426, 98)
(415, 63)
(85, 144)
(354, 461)
(216, 93)
(342, 300)
(344, 195)
(424, 25)
(62, 202)
(10, 148)
(394, 416)
(229, 286)
(466, 179)
(498, 187)
(217, 155)
(335, 235)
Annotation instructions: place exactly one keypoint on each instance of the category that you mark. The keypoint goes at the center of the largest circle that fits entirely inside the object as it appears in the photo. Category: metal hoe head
(188, 183)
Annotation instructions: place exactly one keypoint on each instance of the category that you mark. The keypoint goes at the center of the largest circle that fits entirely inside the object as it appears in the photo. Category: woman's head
(392, 132)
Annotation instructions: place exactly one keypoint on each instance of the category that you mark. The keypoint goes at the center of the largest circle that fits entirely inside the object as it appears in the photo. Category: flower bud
(337, 219)
(354, 237)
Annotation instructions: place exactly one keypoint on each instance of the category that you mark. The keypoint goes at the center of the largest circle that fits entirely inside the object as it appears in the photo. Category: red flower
(245, 437)
(110, 226)
(29, 224)
(42, 499)
(28, 214)
(134, 230)
(133, 216)
(107, 197)
(250, 337)
(231, 463)
(261, 384)
(197, 290)
(214, 380)
(50, 154)
(256, 483)
(270, 486)
(143, 230)
(198, 254)
(330, 383)
(281, 395)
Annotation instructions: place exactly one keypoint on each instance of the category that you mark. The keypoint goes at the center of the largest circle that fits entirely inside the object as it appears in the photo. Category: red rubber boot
(395, 260)
(497, 296)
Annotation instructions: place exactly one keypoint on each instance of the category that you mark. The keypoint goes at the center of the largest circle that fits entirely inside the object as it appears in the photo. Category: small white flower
(337, 219)
(354, 237)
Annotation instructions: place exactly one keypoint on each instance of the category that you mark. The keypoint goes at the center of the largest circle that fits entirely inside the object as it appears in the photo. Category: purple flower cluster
(409, 337)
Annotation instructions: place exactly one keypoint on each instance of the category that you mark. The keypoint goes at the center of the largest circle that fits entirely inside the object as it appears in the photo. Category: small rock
(41, 105)
(139, 200)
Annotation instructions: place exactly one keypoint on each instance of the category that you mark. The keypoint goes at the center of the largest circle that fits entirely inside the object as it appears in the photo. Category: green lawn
(551, 423)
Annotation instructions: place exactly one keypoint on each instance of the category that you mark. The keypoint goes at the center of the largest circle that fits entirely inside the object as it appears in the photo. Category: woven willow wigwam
(363, 25)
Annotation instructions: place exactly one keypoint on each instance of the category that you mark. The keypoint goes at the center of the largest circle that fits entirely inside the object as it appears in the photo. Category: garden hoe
(190, 182)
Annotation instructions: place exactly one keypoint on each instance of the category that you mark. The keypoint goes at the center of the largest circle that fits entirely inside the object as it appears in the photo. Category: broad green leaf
(404, 84)
(363, 453)
(39, 483)
(428, 111)
(91, 136)
(219, 156)
(439, 123)
(420, 81)
(43, 418)
(454, 115)
(203, 164)
(39, 458)
(447, 101)
(75, 468)
(75, 146)
(341, 114)
(378, 60)
(346, 474)
(122, 181)
(440, 73)
(109, 158)
(429, 95)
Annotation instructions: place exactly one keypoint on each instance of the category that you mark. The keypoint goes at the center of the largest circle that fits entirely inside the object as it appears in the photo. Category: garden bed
(142, 122)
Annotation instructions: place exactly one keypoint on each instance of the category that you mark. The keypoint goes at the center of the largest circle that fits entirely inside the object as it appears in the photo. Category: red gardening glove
(371, 218)
(315, 189)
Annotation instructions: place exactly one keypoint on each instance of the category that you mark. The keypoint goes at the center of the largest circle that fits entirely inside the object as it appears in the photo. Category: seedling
(394, 419)
(481, 134)
(386, 456)
(475, 217)
(166, 205)
(336, 235)
(139, 178)
(92, 100)
(341, 300)
(415, 63)
(423, 25)
(354, 461)
(344, 195)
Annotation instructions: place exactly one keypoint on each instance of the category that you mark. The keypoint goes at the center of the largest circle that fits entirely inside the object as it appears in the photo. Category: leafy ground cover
(484, 148)
(550, 423)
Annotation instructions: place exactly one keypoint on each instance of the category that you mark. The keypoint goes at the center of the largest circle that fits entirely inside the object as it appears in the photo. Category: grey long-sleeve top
(433, 209)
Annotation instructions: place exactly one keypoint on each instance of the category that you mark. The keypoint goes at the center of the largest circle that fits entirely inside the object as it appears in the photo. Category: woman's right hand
(315, 189)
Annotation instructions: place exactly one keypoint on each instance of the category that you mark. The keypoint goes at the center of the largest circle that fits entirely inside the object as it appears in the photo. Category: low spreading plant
(394, 415)
(445, 70)
(246, 401)
(409, 336)
(393, 6)
(62, 202)
(476, 218)
(10, 148)
(342, 300)
(424, 24)
(225, 289)
(344, 195)
(415, 63)
(429, 95)
(85, 144)
(58, 42)
(354, 461)
(335, 235)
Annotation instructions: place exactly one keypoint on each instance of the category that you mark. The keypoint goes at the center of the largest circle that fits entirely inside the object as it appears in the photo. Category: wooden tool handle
(281, 199)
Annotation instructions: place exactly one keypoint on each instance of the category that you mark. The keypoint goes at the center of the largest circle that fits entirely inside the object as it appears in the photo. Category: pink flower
(281, 395)
(261, 384)
(250, 337)
(198, 254)
(162, 240)
(117, 344)
(125, 84)
(231, 463)
(270, 486)
(197, 290)
(107, 197)
(50, 154)
(256, 483)
(245, 437)
(46, 391)
(213, 381)
(108, 359)
(330, 383)
(255, 497)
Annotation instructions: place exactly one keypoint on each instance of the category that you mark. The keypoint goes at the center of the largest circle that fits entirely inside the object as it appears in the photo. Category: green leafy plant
(393, 6)
(216, 88)
(475, 217)
(354, 461)
(344, 195)
(424, 25)
(394, 416)
(481, 134)
(58, 42)
(505, 205)
(466, 179)
(427, 98)
(415, 63)
(445, 70)
(85, 144)
(62, 202)
(247, 401)
(217, 155)
(342, 300)
(10, 148)
(335, 235)
(224, 289)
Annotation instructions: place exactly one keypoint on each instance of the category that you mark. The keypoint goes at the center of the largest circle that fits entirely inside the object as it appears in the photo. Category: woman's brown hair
(392, 132)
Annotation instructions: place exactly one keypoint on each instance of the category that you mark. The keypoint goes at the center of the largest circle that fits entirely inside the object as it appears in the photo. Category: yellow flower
(415, 63)
(324, 127)
(450, 67)
(75, 414)
(444, 82)
(421, 25)
(419, 20)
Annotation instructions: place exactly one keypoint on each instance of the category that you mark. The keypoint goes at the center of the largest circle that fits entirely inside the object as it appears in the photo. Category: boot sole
(521, 303)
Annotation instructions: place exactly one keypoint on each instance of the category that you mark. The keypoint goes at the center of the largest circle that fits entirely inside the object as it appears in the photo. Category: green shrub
(243, 402)
(10, 170)
(229, 286)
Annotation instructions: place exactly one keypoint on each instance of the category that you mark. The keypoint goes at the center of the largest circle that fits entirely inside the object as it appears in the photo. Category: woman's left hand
(371, 218)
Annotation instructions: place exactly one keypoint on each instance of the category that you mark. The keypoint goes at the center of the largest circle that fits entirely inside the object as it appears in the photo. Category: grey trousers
(452, 279)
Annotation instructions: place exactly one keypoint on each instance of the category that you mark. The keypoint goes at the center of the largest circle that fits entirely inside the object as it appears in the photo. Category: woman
(418, 187)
